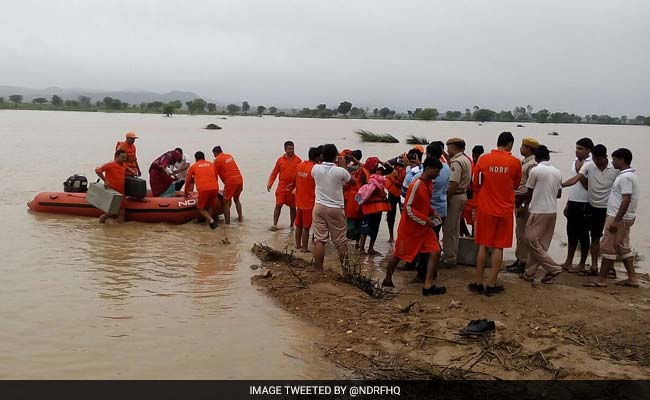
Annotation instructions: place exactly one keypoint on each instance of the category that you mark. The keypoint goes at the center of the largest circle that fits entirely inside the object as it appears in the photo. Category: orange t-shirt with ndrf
(114, 174)
(286, 168)
(204, 177)
(226, 168)
(497, 174)
(305, 186)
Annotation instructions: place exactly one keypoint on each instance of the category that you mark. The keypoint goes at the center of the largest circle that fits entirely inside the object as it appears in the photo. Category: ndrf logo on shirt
(497, 169)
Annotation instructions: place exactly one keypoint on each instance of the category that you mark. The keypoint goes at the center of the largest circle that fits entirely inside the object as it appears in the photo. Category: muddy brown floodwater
(84, 300)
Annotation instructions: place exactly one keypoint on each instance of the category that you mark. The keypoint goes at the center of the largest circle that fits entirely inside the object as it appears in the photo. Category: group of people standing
(171, 172)
(444, 191)
(439, 192)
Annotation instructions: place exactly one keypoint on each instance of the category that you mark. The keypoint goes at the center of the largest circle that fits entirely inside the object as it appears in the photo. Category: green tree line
(345, 109)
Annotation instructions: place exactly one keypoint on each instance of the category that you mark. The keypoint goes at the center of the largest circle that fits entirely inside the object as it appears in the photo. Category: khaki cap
(530, 142)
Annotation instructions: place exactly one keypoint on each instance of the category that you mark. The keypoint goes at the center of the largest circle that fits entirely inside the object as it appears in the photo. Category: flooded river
(84, 300)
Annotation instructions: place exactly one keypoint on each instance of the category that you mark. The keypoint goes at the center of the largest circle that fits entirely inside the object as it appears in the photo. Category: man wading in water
(285, 166)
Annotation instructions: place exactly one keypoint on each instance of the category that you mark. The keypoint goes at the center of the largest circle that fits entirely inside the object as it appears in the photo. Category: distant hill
(131, 96)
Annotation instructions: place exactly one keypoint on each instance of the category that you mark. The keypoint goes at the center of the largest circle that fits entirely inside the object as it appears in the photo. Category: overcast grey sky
(578, 56)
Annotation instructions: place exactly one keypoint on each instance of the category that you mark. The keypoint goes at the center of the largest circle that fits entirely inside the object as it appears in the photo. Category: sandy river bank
(558, 331)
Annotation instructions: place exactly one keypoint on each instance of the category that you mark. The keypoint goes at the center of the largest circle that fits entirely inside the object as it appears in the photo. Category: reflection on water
(84, 300)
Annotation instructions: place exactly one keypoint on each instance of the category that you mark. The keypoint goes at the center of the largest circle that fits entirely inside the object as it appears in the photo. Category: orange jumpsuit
(413, 234)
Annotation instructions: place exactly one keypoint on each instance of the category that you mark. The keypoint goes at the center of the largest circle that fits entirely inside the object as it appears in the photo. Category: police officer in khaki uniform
(460, 166)
(527, 150)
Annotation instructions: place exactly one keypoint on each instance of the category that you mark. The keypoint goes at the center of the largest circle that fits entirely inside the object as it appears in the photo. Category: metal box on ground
(107, 200)
(135, 187)
(468, 251)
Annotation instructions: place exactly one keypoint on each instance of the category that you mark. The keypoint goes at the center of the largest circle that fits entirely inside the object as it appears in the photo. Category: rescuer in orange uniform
(227, 170)
(285, 167)
(202, 171)
(131, 158)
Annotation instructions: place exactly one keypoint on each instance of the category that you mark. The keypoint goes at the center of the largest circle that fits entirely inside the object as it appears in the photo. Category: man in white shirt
(329, 215)
(599, 175)
(576, 209)
(413, 170)
(180, 172)
(544, 188)
(621, 213)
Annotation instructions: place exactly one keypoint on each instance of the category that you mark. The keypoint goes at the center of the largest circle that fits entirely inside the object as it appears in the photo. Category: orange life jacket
(394, 181)
(131, 159)
(352, 209)
(377, 201)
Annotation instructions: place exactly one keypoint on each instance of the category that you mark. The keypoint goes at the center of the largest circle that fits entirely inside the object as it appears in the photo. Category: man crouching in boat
(113, 174)
(206, 184)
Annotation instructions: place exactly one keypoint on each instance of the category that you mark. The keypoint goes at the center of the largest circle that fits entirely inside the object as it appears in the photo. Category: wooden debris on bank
(269, 254)
(353, 275)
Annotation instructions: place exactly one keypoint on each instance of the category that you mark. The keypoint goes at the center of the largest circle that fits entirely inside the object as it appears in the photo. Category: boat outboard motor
(76, 184)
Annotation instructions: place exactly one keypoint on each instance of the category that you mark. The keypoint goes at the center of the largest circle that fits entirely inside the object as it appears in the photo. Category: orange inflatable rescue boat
(176, 210)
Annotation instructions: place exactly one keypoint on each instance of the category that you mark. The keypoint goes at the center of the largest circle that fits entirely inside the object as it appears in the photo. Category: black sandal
(588, 272)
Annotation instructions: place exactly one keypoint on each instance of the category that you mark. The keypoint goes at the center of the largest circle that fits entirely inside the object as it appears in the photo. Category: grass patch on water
(371, 137)
(412, 139)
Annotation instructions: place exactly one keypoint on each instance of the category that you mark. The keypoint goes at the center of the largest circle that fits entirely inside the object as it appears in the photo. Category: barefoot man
(498, 175)
(113, 174)
(285, 167)
(305, 188)
(621, 213)
(599, 174)
(415, 230)
(226, 168)
(206, 184)
(576, 210)
(329, 214)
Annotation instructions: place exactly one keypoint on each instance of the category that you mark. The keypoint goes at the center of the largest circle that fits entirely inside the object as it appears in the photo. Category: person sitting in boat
(113, 174)
(205, 178)
(131, 159)
(161, 173)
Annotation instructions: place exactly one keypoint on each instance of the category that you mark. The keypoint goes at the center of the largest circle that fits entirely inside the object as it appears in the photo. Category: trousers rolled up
(521, 252)
(451, 227)
(539, 233)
